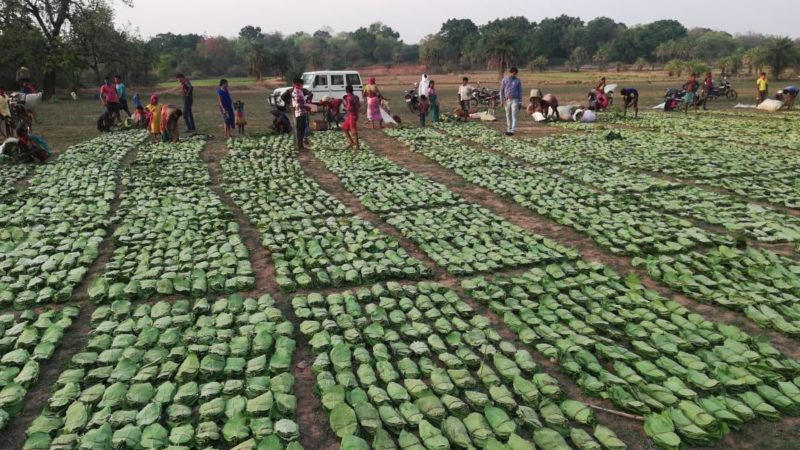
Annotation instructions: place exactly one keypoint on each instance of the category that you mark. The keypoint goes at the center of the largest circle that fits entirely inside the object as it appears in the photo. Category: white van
(324, 83)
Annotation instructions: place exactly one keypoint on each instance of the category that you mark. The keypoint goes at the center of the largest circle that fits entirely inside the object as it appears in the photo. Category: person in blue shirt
(226, 107)
(630, 98)
(511, 97)
(787, 96)
(122, 94)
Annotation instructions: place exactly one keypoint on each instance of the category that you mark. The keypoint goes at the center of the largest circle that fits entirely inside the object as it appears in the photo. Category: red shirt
(351, 104)
(109, 92)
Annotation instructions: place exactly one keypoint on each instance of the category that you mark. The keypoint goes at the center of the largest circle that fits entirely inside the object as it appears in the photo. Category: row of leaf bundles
(641, 351)
(467, 239)
(10, 174)
(764, 285)
(26, 341)
(375, 371)
(269, 146)
(612, 221)
(182, 241)
(186, 375)
(777, 188)
(336, 251)
(381, 185)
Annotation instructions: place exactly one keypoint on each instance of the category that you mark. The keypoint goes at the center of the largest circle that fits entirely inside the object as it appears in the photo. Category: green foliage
(779, 54)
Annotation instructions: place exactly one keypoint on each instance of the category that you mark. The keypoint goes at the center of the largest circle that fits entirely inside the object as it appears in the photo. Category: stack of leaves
(459, 237)
(313, 239)
(51, 235)
(207, 374)
(175, 236)
(10, 174)
(414, 365)
(27, 340)
(643, 352)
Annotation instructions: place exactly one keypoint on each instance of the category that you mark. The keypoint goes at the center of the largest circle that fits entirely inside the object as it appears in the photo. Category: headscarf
(153, 98)
(371, 80)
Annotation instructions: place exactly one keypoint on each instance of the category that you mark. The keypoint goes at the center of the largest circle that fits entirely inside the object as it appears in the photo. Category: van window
(353, 79)
(337, 80)
(308, 79)
(321, 80)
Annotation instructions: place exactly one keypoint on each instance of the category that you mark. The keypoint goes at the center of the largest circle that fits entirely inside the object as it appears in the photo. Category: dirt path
(75, 338)
(529, 220)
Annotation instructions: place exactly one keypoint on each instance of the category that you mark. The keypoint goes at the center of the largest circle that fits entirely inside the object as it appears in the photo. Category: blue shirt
(791, 90)
(122, 93)
(511, 88)
(225, 96)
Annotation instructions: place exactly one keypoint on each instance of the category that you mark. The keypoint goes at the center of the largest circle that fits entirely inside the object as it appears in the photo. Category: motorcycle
(673, 98)
(412, 100)
(483, 96)
(723, 90)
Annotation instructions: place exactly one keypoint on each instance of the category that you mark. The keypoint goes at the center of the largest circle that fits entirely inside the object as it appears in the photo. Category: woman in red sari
(373, 96)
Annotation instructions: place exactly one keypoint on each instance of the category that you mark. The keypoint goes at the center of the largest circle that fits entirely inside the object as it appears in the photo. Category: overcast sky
(414, 19)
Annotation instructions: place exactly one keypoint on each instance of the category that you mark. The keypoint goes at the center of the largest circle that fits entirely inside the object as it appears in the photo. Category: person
(5, 112)
(511, 97)
(708, 82)
(373, 95)
(170, 131)
(630, 98)
(154, 110)
(33, 147)
(225, 107)
(535, 102)
(332, 111)
(762, 85)
(690, 98)
(122, 94)
(300, 110)
(550, 106)
(241, 120)
(423, 107)
(787, 95)
(423, 85)
(109, 97)
(280, 122)
(187, 90)
(600, 94)
(464, 92)
(137, 101)
(433, 98)
(351, 107)
(27, 87)
(586, 115)
(141, 118)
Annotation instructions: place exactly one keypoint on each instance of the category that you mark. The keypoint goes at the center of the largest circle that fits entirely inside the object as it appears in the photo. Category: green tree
(675, 67)
(577, 58)
(455, 38)
(600, 31)
(549, 36)
(779, 54)
(640, 63)
(713, 45)
(539, 63)
(600, 57)
(505, 42)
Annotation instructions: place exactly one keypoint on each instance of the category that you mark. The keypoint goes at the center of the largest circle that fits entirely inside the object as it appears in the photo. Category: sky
(414, 19)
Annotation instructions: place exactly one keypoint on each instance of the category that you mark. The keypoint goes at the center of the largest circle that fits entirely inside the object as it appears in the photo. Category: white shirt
(464, 92)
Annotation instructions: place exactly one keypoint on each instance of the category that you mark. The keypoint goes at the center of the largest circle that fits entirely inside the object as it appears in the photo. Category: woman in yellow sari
(155, 118)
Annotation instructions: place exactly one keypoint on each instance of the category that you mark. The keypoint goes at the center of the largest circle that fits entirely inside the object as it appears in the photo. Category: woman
(600, 94)
(155, 118)
(226, 107)
(433, 98)
(373, 96)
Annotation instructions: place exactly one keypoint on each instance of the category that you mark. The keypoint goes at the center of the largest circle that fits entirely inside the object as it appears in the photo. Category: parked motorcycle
(723, 90)
(412, 100)
(483, 96)
(673, 98)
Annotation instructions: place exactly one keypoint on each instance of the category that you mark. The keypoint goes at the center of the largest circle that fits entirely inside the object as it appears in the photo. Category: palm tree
(601, 58)
(500, 48)
(539, 63)
(578, 57)
(752, 58)
(640, 63)
(779, 54)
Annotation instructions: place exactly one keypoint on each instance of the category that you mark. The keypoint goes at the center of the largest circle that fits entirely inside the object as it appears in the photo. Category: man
(763, 88)
(511, 97)
(690, 98)
(122, 94)
(300, 110)
(280, 122)
(787, 96)
(464, 92)
(109, 97)
(187, 90)
(630, 97)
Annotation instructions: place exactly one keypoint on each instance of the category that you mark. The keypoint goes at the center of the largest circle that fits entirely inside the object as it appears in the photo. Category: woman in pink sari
(373, 96)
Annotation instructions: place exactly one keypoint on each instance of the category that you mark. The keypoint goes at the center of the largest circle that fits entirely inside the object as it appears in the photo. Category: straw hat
(536, 93)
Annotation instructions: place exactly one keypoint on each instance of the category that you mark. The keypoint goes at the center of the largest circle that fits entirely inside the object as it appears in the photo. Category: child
(154, 109)
(424, 106)
(350, 127)
(241, 121)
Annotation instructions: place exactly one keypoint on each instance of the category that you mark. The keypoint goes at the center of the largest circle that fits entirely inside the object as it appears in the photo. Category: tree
(753, 58)
(455, 38)
(675, 67)
(539, 63)
(601, 57)
(93, 38)
(640, 63)
(712, 45)
(549, 36)
(779, 54)
(577, 58)
(600, 31)
(505, 42)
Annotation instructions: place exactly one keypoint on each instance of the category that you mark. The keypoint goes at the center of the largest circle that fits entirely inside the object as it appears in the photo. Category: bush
(236, 71)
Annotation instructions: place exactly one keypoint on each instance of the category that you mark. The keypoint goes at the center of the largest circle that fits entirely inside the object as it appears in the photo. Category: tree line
(74, 43)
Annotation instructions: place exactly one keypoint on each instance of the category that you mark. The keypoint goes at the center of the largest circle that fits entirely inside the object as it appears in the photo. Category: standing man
(225, 107)
(122, 94)
(464, 92)
(109, 97)
(187, 90)
(691, 88)
(763, 88)
(300, 113)
(511, 97)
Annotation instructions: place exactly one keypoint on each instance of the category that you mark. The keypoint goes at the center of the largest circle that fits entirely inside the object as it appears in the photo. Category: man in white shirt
(464, 93)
